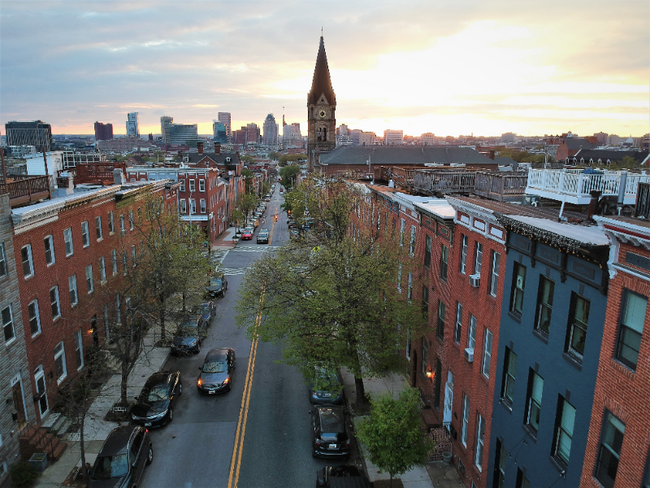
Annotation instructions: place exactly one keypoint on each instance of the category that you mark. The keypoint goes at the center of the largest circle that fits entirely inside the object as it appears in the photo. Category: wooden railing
(500, 185)
(26, 189)
(444, 182)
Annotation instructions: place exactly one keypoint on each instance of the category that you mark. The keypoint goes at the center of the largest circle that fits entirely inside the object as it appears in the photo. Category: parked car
(122, 458)
(343, 476)
(156, 402)
(217, 286)
(247, 234)
(330, 432)
(217, 371)
(189, 336)
(207, 311)
(263, 236)
(326, 387)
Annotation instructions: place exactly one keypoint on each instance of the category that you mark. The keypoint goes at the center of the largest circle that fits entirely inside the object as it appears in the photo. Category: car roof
(157, 379)
(217, 354)
(117, 440)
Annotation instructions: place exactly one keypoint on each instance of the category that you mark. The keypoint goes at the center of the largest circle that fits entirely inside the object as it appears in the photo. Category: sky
(450, 67)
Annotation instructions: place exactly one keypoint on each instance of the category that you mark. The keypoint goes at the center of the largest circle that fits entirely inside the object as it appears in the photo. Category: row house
(67, 250)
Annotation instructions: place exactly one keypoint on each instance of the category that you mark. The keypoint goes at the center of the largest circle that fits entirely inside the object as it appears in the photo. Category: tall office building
(393, 137)
(225, 119)
(132, 128)
(270, 136)
(183, 134)
(36, 133)
(219, 132)
(252, 133)
(103, 132)
(165, 122)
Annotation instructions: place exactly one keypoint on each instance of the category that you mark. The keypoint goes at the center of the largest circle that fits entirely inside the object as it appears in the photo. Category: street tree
(288, 175)
(392, 433)
(333, 297)
(246, 203)
(285, 159)
(248, 179)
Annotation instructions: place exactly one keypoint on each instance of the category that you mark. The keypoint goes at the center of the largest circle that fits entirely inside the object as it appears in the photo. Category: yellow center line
(238, 448)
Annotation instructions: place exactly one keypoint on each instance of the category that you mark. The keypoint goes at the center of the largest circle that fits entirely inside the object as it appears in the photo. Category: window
(118, 310)
(202, 204)
(611, 440)
(440, 325)
(564, 421)
(49, 250)
(8, 324)
(518, 283)
(478, 258)
(28, 263)
(134, 255)
(140, 215)
(444, 261)
(509, 374)
(182, 188)
(102, 270)
(464, 424)
(89, 278)
(402, 225)
(114, 261)
(577, 333)
(131, 221)
(106, 324)
(480, 438)
(501, 464)
(54, 303)
(534, 401)
(412, 242)
(34, 318)
(59, 362)
(85, 238)
(471, 336)
(425, 301)
(111, 223)
(464, 244)
(424, 352)
(522, 481)
(201, 185)
(459, 322)
(183, 206)
(494, 273)
(399, 278)
(631, 328)
(544, 305)
(122, 225)
(193, 206)
(98, 228)
(192, 185)
(125, 262)
(487, 353)
(409, 288)
(427, 252)
(67, 238)
(3, 260)
(72, 286)
(79, 349)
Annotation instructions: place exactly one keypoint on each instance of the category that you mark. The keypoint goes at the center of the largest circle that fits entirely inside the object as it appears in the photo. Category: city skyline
(449, 68)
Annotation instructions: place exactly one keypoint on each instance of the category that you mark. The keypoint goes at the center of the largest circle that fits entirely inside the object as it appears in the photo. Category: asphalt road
(196, 449)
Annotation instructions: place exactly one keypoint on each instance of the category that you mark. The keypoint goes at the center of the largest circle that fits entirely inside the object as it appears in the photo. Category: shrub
(23, 474)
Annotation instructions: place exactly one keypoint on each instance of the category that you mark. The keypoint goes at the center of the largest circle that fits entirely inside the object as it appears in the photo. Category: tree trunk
(361, 391)
(82, 446)
(162, 318)
(126, 359)
(390, 485)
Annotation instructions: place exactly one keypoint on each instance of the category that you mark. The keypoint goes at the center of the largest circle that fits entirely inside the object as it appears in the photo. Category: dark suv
(330, 432)
(122, 458)
(344, 476)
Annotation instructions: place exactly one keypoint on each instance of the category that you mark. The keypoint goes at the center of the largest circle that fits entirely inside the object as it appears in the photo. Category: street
(271, 416)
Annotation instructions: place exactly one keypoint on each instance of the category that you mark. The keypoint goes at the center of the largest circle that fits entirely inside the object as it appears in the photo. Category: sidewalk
(418, 477)
(96, 429)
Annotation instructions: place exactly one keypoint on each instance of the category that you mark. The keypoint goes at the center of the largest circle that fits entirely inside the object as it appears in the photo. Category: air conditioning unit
(469, 354)
(475, 280)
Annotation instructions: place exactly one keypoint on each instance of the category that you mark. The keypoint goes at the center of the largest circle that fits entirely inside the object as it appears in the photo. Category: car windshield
(331, 421)
(188, 331)
(155, 394)
(215, 282)
(204, 309)
(107, 467)
(215, 367)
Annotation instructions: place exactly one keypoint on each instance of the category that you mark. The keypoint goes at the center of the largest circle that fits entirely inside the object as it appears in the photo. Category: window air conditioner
(469, 354)
(475, 280)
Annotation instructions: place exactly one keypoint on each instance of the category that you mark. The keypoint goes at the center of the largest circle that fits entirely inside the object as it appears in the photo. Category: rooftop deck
(24, 190)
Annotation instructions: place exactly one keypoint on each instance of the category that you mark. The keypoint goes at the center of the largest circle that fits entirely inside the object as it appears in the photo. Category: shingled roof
(405, 155)
(578, 143)
(611, 155)
(322, 83)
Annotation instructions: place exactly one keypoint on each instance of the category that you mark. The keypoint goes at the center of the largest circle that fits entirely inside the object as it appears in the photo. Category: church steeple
(321, 83)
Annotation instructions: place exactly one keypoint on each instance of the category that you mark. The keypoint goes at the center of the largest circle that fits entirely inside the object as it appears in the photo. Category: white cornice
(475, 211)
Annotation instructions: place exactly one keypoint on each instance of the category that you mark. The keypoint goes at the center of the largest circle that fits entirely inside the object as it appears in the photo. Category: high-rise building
(292, 135)
(36, 133)
(428, 139)
(220, 132)
(225, 119)
(165, 122)
(321, 110)
(132, 128)
(393, 137)
(252, 133)
(183, 134)
(270, 137)
(103, 132)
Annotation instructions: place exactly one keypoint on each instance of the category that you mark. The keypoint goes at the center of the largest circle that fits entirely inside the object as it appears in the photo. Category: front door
(41, 391)
(19, 405)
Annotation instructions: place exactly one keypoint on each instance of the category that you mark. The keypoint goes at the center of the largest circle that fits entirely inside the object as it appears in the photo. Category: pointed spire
(322, 83)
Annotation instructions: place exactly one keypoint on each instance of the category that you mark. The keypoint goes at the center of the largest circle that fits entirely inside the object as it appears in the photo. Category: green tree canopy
(246, 203)
(247, 159)
(287, 158)
(288, 175)
(249, 176)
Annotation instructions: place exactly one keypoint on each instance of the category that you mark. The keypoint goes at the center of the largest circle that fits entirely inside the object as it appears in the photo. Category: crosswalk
(233, 271)
(254, 249)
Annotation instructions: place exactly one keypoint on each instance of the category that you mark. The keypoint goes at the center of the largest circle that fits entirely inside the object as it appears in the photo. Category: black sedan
(155, 405)
(217, 371)
(217, 286)
(122, 458)
(189, 336)
(330, 432)
(329, 476)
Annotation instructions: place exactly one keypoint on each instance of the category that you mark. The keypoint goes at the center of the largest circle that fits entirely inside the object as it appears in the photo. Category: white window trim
(30, 260)
(494, 274)
(11, 323)
(98, 220)
(50, 239)
(67, 239)
(471, 332)
(72, 280)
(202, 185)
(64, 375)
(79, 346)
(487, 354)
(85, 234)
(478, 453)
(3, 259)
(464, 422)
(111, 223)
(58, 302)
(37, 314)
(114, 262)
(102, 270)
(90, 284)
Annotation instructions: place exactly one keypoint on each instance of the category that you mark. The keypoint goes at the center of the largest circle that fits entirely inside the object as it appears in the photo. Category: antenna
(321, 31)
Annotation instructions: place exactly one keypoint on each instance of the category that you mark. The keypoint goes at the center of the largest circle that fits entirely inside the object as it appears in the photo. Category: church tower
(321, 111)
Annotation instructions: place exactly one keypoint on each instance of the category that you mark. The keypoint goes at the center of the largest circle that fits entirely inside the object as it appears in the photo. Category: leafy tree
(392, 433)
(249, 176)
(273, 156)
(247, 159)
(288, 175)
(331, 298)
(285, 159)
(246, 203)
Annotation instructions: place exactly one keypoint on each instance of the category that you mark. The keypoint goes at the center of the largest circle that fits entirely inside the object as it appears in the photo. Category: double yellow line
(238, 448)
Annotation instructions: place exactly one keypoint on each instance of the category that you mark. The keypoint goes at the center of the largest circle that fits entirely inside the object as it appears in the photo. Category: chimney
(593, 203)
(199, 146)
(118, 176)
(217, 148)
